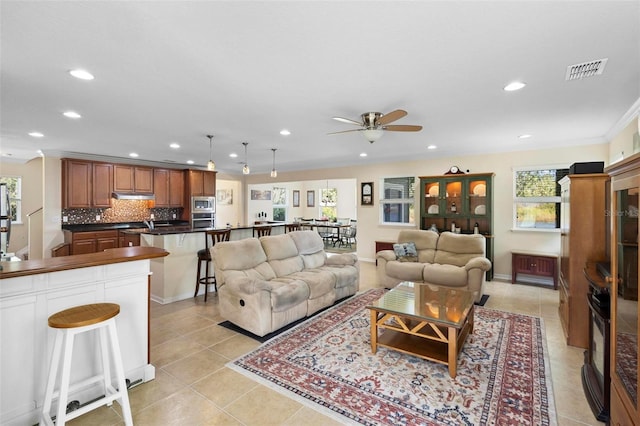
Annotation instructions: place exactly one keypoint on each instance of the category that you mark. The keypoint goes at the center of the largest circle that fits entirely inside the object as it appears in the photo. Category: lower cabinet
(91, 242)
(27, 342)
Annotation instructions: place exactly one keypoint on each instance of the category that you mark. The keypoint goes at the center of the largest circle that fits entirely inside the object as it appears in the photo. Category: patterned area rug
(326, 362)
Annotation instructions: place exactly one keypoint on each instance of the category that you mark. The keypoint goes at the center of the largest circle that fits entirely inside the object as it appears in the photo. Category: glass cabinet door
(432, 197)
(453, 197)
(478, 196)
(626, 325)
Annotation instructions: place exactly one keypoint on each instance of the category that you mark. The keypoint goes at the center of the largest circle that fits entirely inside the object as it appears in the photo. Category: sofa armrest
(387, 255)
(249, 285)
(478, 262)
(342, 259)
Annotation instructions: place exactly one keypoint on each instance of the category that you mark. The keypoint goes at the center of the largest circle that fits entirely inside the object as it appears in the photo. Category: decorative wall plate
(480, 189)
(433, 209)
(481, 209)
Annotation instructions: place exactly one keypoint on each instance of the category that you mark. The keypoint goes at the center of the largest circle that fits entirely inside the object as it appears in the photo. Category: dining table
(331, 226)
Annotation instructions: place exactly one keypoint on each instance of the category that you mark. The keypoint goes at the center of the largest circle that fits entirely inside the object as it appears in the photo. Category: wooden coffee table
(424, 320)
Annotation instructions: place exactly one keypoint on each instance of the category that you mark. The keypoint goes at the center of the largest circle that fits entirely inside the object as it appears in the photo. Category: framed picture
(257, 194)
(366, 194)
(296, 198)
(224, 196)
(311, 198)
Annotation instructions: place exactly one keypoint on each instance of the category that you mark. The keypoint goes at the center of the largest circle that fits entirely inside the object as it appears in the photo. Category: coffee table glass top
(436, 304)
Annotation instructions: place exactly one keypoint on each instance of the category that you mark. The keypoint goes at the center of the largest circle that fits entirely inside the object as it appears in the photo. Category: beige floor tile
(273, 409)
(194, 367)
(183, 408)
(309, 417)
(211, 335)
(224, 386)
(173, 350)
(140, 397)
(102, 416)
(236, 346)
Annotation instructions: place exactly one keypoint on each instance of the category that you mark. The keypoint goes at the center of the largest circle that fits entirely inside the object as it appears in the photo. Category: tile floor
(193, 386)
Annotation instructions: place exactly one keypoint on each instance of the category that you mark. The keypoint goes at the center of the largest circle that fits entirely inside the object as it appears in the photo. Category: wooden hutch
(625, 187)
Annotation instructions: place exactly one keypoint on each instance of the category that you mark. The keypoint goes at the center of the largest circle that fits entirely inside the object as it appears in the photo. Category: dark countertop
(161, 227)
(63, 263)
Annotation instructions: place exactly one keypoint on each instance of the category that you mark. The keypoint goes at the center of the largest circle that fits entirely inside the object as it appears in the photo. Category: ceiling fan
(373, 124)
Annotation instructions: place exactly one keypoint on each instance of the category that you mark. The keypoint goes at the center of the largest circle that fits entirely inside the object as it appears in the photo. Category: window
(537, 198)
(397, 204)
(14, 185)
(279, 201)
(328, 205)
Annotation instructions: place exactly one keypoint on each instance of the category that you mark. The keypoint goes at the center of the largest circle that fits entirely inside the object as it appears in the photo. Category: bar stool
(68, 324)
(261, 231)
(204, 255)
(290, 227)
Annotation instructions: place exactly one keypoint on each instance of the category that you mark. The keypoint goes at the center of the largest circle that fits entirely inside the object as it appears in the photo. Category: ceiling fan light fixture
(372, 135)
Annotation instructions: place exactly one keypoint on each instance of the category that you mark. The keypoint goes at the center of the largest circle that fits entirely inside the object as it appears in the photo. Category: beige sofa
(447, 259)
(267, 283)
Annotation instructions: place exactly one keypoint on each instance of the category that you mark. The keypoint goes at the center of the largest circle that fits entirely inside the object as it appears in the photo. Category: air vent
(586, 69)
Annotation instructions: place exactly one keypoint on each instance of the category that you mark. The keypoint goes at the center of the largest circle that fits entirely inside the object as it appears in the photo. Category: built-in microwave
(203, 204)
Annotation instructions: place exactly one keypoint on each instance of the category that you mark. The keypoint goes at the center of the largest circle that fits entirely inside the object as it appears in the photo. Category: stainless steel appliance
(5, 220)
(203, 212)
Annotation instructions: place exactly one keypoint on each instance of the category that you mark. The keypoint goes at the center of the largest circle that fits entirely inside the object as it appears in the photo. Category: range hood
(132, 196)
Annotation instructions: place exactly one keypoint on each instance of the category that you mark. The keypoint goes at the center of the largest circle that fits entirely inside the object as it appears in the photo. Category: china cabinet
(459, 203)
(625, 187)
(582, 239)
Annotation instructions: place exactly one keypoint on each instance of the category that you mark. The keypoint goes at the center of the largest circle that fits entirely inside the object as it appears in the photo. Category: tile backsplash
(120, 211)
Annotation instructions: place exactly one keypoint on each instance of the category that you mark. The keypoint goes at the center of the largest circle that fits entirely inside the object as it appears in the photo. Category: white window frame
(516, 200)
(17, 198)
(409, 201)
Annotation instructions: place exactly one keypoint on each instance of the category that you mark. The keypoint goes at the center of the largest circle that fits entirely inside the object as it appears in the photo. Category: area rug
(326, 363)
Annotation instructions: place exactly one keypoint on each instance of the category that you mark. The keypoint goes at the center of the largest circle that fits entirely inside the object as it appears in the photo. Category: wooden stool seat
(81, 316)
(69, 323)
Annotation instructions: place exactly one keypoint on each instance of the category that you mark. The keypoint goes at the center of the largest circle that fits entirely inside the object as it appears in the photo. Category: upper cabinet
(168, 187)
(129, 178)
(86, 184)
(201, 183)
(459, 203)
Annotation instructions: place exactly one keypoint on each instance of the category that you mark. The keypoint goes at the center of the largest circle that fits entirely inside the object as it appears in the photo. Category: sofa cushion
(282, 254)
(406, 252)
(405, 271)
(425, 242)
(285, 295)
(320, 282)
(252, 263)
(310, 248)
(446, 275)
(458, 249)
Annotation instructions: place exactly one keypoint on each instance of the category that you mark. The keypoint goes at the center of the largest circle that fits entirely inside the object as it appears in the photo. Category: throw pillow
(406, 252)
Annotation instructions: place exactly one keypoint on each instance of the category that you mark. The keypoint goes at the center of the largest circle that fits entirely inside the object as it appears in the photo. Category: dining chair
(261, 231)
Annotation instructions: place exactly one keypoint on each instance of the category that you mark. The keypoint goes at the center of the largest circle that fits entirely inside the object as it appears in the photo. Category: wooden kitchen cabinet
(168, 187)
(86, 184)
(91, 241)
(129, 178)
(201, 183)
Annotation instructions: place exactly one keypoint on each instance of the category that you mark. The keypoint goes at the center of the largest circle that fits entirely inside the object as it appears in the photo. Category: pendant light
(274, 172)
(245, 168)
(211, 165)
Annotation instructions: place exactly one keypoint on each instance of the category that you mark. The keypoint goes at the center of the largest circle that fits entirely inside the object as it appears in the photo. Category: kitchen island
(32, 290)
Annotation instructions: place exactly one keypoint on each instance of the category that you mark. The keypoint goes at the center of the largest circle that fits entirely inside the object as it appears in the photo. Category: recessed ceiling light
(133, 154)
(71, 114)
(81, 74)
(285, 132)
(525, 136)
(233, 155)
(431, 147)
(363, 154)
(36, 134)
(174, 145)
(190, 161)
(515, 85)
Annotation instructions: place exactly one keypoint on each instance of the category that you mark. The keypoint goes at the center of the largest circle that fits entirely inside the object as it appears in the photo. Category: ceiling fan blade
(403, 128)
(345, 131)
(348, 121)
(392, 116)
